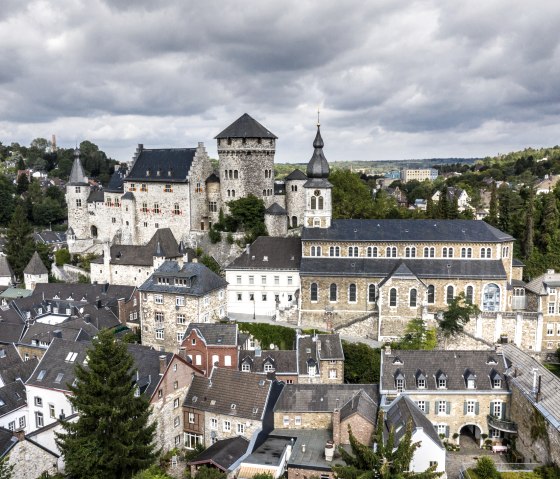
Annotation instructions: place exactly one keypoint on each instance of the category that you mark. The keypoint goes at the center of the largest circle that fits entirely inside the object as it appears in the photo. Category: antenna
(318, 116)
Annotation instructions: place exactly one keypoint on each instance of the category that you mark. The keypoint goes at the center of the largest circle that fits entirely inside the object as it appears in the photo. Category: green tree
(443, 204)
(246, 214)
(492, 217)
(361, 363)
(388, 460)
(351, 197)
(113, 436)
(417, 336)
(211, 264)
(6, 200)
(62, 256)
(549, 223)
(486, 468)
(5, 468)
(19, 241)
(206, 472)
(22, 184)
(528, 234)
(458, 314)
(153, 472)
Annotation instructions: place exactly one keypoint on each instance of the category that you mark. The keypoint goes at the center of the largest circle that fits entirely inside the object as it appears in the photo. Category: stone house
(6, 273)
(35, 272)
(132, 264)
(277, 364)
(13, 406)
(223, 455)
(329, 407)
(228, 403)
(264, 279)
(208, 345)
(175, 295)
(320, 359)
(461, 392)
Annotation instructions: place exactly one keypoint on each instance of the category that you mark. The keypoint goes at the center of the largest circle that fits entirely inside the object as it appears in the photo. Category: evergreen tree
(113, 436)
(430, 208)
(6, 200)
(492, 217)
(443, 205)
(19, 241)
(528, 240)
(385, 461)
(549, 222)
(22, 184)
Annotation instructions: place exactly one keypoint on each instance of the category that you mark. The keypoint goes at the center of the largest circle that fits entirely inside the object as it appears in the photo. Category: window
(315, 251)
(297, 420)
(51, 411)
(246, 367)
(79, 203)
(176, 403)
(421, 383)
(240, 428)
(180, 335)
(497, 409)
(466, 252)
(410, 252)
(251, 279)
(442, 429)
(227, 360)
(470, 407)
(442, 382)
(314, 293)
(179, 301)
(352, 297)
(176, 209)
(276, 280)
(496, 383)
(450, 294)
(12, 426)
(412, 297)
(176, 421)
(333, 292)
(286, 421)
(551, 308)
(442, 407)
(391, 252)
(38, 401)
(399, 383)
(491, 297)
(191, 418)
(39, 422)
(431, 294)
(22, 422)
(393, 297)
(268, 367)
(160, 334)
(181, 319)
(192, 440)
(448, 252)
(372, 252)
(158, 298)
(332, 373)
(371, 293)
(239, 296)
(429, 252)
(469, 293)
(215, 360)
(353, 251)
(421, 405)
(290, 280)
(213, 423)
(159, 317)
(77, 189)
(227, 426)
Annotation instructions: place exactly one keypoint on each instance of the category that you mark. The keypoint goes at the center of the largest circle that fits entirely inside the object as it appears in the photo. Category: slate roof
(173, 165)
(361, 403)
(12, 397)
(517, 263)
(77, 175)
(96, 195)
(453, 364)
(226, 387)
(215, 334)
(162, 243)
(320, 397)
(13, 293)
(5, 268)
(213, 178)
(280, 253)
(296, 175)
(284, 362)
(202, 279)
(421, 268)
(147, 362)
(403, 410)
(245, 127)
(223, 453)
(7, 441)
(11, 326)
(275, 209)
(12, 365)
(331, 349)
(35, 265)
(71, 330)
(318, 167)
(50, 237)
(90, 292)
(116, 181)
(541, 284)
(408, 230)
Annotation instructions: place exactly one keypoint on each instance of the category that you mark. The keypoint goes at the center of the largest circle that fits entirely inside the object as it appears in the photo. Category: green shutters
(447, 429)
(437, 408)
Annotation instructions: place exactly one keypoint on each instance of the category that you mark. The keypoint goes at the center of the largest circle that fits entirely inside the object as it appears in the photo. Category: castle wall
(295, 202)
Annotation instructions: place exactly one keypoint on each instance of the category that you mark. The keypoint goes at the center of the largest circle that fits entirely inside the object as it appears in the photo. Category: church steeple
(318, 166)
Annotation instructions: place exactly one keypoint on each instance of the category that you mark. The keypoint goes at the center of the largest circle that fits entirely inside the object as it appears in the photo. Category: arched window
(449, 294)
(313, 203)
(431, 294)
(410, 252)
(314, 292)
(353, 251)
(94, 231)
(491, 297)
(236, 174)
(393, 297)
(318, 251)
(391, 252)
(331, 251)
(488, 252)
(372, 251)
(230, 174)
(321, 202)
(233, 193)
(337, 251)
(432, 252)
(352, 293)
(412, 298)
(228, 193)
(333, 292)
(469, 292)
(371, 293)
(313, 251)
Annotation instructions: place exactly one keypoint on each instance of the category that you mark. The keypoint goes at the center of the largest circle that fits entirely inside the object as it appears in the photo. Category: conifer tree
(528, 240)
(113, 436)
(493, 207)
(19, 241)
(443, 205)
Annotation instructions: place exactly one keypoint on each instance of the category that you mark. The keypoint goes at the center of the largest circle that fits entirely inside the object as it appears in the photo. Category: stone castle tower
(77, 194)
(318, 189)
(246, 153)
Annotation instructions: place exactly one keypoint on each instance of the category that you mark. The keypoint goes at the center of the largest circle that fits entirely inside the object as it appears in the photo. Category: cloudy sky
(394, 79)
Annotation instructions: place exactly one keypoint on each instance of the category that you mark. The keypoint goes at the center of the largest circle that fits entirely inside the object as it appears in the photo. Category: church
(177, 188)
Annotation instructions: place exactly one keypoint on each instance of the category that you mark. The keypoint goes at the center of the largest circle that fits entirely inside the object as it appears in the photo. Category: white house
(264, 279)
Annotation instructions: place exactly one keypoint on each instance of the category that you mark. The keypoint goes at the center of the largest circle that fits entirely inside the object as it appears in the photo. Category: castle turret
(77, 194)
(318, 202)
(246, 152)
(35, 272)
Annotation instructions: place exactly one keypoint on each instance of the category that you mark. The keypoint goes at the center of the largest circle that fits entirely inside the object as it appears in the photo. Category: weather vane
(318, 121)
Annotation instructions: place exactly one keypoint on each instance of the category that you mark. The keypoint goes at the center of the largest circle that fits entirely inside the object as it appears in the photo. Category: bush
(229, 238)
(62, 257)
(486, 469)
(215, 236)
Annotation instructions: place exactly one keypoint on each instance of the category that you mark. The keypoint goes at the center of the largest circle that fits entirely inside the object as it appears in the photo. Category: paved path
(467, 456)
(248, 318)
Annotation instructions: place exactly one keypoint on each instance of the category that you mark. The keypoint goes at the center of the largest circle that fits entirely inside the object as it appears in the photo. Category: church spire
(318, 166)
(77, 175)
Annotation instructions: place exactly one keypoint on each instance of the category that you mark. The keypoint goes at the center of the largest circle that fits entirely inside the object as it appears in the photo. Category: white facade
(15, 420)
(427, 453)
(261, 292)
(31, 280)
(45, 406)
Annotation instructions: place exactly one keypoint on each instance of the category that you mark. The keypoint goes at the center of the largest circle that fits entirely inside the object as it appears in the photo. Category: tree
(361, 363)
(206, 472)
(22, 184)
(62, 256)
(6, 200)
(246, 214)
(211, 264)
(5, 468)
(527, 244)
(19, 241)
(351, 197)
(153, 472)
(486, 469)
(493, 207)
(113, 436)
(458, 314)
(417, 336)
(385, 461)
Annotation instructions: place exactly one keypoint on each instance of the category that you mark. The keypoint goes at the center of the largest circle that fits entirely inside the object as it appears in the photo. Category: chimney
(388, 350)
(87, 318)
(248, 249)
(122, 312)
(329, 451)
(336, 426)
(183, 352)
(162, 363)
(19, 434)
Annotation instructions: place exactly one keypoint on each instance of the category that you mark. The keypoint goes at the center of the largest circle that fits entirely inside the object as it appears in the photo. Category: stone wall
(295, 202)
(299, 473)
(309, 420)
(30, 461)
(276, 225)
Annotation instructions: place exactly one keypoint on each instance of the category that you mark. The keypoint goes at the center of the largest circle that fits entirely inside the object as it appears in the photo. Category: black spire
(318, 167)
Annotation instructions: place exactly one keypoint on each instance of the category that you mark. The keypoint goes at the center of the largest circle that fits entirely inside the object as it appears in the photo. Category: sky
(393, 79)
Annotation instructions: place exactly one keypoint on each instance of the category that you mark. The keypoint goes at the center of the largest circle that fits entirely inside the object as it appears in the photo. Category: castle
(177, 188)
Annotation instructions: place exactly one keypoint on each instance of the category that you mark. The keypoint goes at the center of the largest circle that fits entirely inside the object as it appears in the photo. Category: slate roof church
(177, 188)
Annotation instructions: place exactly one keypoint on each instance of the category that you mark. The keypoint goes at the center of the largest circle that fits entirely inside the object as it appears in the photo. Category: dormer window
(496, 383)
(441, 380)
(399, 381)
(268, 367)
(470, 379)
(246, 367)
(420, 380)
(470, 384)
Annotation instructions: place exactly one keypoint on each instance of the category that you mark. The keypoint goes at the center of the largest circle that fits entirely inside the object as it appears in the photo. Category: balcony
(502, 424)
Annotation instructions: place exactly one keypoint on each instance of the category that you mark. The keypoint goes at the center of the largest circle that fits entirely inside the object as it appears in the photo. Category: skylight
(41, 374)
(59, 377)
(2, 403)
(71, 357)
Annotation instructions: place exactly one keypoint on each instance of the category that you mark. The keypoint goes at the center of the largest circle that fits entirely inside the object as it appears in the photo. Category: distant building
(418, 174)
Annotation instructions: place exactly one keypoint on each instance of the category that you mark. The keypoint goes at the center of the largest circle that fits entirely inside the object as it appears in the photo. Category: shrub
(229, 238)
(486, 469)
(215, 236)
(62, 256)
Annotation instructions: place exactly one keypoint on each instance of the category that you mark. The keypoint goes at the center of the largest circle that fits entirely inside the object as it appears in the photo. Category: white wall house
(265, 277)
